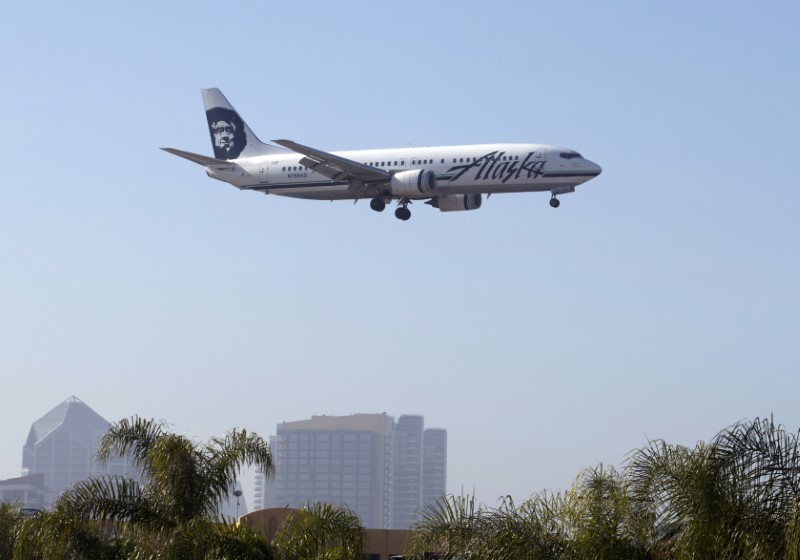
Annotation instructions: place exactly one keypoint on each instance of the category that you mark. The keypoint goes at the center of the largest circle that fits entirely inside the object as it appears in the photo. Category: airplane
(450, 178)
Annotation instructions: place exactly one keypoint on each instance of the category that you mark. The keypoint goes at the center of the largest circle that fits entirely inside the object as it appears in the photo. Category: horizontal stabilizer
(197, 158)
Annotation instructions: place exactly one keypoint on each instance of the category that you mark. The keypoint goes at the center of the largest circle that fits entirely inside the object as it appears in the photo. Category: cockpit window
(570, 155)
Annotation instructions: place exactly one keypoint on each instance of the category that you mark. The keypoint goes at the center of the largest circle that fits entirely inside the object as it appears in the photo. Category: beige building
(384, 470)
(381, 543)
(342, 460)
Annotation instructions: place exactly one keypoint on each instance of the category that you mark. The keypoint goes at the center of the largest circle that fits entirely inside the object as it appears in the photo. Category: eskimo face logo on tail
(227, 133)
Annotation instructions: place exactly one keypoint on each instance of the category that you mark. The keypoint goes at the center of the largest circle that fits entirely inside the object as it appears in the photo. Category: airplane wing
(335, 167)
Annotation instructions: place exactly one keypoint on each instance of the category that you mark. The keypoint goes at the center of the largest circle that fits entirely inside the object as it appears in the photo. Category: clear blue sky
(660, 300)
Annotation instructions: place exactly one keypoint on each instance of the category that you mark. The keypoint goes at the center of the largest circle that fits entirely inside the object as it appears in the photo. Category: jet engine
(414, 183)
(457, 202)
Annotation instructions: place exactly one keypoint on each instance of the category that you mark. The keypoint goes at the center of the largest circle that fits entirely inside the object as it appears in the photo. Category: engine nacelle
(457, 202)
(414, 183)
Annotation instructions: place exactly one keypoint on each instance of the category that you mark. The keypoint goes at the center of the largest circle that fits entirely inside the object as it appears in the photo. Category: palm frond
(453, 527)
(225, 457)
(130, 437)
(321, 531)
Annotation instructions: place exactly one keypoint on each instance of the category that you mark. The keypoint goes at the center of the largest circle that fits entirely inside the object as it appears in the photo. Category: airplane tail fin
(230, 135)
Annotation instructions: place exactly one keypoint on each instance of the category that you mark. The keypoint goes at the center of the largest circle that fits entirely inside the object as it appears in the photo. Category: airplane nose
(594, 168)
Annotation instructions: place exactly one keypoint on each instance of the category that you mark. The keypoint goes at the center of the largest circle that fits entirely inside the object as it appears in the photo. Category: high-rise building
(62, 446)
(434, 465)
(407, 470)
(368, 462)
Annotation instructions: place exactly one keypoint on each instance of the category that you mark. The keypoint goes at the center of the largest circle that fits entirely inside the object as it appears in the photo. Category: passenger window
(395, 164)
(462, 160)
(284, 169)
(442, 160)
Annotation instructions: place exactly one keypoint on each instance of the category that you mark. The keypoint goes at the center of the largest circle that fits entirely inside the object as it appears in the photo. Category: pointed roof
(74, 415)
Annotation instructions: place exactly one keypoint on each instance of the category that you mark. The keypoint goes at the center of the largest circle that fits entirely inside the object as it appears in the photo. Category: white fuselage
(469, 169)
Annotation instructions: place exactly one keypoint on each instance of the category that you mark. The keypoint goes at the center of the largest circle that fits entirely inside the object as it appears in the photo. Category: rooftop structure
(62, 445)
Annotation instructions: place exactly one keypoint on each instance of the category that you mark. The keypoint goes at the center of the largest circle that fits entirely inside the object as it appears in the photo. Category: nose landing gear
(554, 202)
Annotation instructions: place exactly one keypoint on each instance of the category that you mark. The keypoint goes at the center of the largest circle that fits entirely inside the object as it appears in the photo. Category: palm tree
(321, 532)
(736, 497)
(534, 530)
(452, 527)
(172, 513)
(764, 461)
(10, 519)
(603, 521)
(595, 519)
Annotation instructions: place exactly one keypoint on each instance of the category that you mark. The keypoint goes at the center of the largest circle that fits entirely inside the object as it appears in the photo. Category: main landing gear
(554, 202)
(402, 212)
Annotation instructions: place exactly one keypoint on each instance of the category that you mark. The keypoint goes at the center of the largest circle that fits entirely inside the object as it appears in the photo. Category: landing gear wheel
(554, 202)
(377, 204)
(402, 213)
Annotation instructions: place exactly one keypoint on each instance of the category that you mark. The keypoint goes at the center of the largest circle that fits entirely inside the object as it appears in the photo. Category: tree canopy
(171, 511)
(733, 498)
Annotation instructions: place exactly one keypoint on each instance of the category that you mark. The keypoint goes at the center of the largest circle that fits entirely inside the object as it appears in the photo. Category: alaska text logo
(491, 167)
